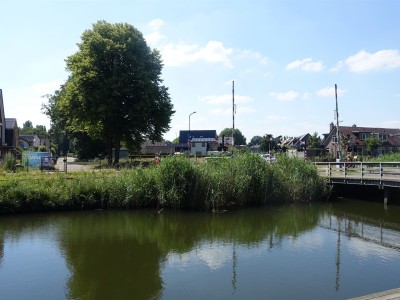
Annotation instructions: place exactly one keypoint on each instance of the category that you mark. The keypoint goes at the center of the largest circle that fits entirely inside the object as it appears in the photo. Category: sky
(284, 58)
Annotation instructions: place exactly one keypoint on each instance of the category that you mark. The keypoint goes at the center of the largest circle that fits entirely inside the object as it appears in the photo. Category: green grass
(179, 183)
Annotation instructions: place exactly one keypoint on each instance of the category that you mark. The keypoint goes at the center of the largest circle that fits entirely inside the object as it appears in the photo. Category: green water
(319, 251)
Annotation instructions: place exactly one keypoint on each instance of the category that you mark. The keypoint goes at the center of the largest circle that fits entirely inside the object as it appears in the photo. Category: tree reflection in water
(122, 254)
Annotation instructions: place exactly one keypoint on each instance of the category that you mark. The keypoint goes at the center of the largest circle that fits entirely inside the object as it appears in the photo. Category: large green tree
(238, 136)
(114, 91)
(255, 140)
(372, 143)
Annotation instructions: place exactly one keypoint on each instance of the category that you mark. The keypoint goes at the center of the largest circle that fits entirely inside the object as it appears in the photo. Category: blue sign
(36, 159)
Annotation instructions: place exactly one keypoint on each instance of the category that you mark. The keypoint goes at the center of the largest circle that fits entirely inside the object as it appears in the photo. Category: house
(11, 135)
(27, 141)
(299, 143)
(198, 142)
(2, 127)
(352, 140)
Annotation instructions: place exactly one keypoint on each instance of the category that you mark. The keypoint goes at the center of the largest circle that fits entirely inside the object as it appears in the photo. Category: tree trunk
(117, 148)
(109, 151)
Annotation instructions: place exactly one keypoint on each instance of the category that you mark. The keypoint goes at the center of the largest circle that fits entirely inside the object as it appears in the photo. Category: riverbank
(178, 183)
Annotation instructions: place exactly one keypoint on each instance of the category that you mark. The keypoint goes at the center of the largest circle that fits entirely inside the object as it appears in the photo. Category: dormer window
(363, 136)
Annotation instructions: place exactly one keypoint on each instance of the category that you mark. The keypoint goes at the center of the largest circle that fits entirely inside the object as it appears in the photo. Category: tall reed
(177, 182)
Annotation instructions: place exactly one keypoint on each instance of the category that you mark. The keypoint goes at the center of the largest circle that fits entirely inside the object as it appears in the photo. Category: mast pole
(233, 113)
(337, 126)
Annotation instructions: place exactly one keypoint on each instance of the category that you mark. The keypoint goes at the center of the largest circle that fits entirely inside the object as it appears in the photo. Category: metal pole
(190, 142)
(189, 119)
(337, 126)
(233, 113)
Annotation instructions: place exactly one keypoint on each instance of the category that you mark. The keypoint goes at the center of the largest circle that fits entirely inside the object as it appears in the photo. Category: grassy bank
(177, 182)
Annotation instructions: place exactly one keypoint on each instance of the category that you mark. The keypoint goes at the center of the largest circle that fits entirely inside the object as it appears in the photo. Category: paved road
(71, 166)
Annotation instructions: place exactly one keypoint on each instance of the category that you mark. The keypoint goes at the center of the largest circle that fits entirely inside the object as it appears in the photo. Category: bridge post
(386, 195)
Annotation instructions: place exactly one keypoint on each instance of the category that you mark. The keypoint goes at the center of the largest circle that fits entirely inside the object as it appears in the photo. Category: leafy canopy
(114, 92)
(238, 136)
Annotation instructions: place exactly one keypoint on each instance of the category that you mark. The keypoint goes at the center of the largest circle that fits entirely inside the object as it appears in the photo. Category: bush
(10, 163)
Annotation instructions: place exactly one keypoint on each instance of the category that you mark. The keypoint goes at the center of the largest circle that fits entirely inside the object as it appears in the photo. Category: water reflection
(139, 254)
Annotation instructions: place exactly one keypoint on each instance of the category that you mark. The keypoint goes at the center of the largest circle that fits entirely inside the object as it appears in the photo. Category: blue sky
(284, 56)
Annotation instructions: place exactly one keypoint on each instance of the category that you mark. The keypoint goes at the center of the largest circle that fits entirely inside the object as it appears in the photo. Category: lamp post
(189, 119)
(189, 136)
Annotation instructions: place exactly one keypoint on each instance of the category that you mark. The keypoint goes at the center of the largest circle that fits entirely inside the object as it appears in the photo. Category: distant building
(354, 139)
(198, 142)
(11, 135)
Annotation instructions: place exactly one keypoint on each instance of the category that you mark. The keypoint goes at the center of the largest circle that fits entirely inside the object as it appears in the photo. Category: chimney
(331, 127)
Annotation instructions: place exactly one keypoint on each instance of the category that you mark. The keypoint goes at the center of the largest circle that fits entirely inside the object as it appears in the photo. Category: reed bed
(177, 182)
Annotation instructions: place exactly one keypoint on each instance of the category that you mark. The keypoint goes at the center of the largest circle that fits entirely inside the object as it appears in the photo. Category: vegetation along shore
(177, 182)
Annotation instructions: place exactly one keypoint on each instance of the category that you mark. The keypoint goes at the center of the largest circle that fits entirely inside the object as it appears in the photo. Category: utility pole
(233, 114)
(339, 154)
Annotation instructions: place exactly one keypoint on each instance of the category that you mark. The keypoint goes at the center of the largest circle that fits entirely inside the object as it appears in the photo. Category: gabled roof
(27, 137)
(11, 123)
(393, 134)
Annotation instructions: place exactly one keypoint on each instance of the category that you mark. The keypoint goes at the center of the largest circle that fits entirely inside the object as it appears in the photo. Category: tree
(114, 92)
(268, 143)
(255, 140)
(372, 143)
(238, 136)
(314, 141)
(27, 128)
(175, 141)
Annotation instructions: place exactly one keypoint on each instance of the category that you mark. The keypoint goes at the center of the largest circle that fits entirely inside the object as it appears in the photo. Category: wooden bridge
(384, 175)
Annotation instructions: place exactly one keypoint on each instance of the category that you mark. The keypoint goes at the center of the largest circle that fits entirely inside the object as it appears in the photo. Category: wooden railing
(366, 173)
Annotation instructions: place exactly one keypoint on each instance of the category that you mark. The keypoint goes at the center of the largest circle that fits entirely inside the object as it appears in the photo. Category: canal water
(334, 250)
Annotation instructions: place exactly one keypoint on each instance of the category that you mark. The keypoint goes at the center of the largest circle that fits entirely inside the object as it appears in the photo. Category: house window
(363, 136)
(382, 137)
(203, 144)
(398, 149)
(390, 149)
(334, 139)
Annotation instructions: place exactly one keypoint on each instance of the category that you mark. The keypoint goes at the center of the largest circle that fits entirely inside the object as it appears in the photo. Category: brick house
(355, 137)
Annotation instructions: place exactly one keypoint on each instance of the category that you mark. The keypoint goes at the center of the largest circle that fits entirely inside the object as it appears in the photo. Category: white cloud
(155, 24)
(286, 96)
(381, 60)
(213, 52)
(225, 99)
(307, 65)
(25, 102)
(330, 92)
(155, 36)
(252, 54)
(337, 67)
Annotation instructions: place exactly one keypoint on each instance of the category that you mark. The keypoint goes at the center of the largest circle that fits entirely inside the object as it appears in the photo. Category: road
(71, 166)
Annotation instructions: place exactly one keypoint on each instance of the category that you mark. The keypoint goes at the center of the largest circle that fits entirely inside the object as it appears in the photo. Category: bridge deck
(380, 174)
(387, 295)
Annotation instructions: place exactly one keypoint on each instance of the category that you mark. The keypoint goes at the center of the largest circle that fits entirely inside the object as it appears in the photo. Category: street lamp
(189, 136)
(189, 119)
